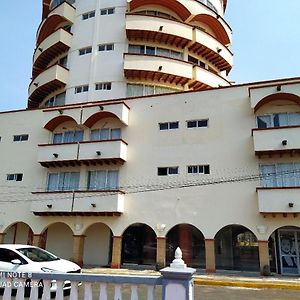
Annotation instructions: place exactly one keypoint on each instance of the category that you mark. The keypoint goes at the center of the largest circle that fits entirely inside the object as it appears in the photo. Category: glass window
(103, 180)
(263, 121)
(191, 124)
(115, 133)
(163, 126)
(65, 181)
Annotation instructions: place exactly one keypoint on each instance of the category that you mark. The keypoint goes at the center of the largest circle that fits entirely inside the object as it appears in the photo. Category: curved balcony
(145, 27)
(276, 141)
(278, 200)
(83, 153)
(204, 78)
(157, 68)
(50, 80)
(55, 44)
(62, 14)
(78, 203)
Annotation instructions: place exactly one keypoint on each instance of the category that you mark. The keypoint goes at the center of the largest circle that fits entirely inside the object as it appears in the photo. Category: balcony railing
(82, 153)
(283, 200)
(277, 140)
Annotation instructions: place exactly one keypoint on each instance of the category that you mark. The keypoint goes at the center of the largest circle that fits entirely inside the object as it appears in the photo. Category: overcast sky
(266, 40)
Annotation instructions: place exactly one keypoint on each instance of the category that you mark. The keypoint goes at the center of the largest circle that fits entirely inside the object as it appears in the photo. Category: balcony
(47, 82)
(83, 153)
(278, 140)
(78, 203)
(279, 200)
(145, 27)
(54, 45)
(157, 68)
(61, 15)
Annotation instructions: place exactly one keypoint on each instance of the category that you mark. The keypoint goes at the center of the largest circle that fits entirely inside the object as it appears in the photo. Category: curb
(248, 284)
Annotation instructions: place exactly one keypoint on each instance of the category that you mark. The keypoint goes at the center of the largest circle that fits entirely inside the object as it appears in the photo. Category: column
(78, 245)
(160, 252)
(37, 240)
(264, 261)
(210, 260)
(2, 237)
(116, 252)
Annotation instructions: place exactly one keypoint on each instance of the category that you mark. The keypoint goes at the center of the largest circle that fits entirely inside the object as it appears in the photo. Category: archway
(58, 239)
(97, 245)
(18, 233)
(284, 250)
(191, 242)
(236, 248)
(139, 245)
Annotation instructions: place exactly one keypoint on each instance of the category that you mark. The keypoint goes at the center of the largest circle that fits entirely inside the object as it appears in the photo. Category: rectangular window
(84, 51)
(68, 137)
(197, 123)
(14, 177)
(106, 47)
(168, 125)
(81, 89)
(64, 181)
(198, 169)
(166, 171)
(103, 180)
(103, 86)
(88, 15)
(107, 11)
(105, 134)
(278, 120)
(20, 138)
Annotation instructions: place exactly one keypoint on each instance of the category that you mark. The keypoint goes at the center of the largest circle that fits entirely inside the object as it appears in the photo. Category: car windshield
(37, 255)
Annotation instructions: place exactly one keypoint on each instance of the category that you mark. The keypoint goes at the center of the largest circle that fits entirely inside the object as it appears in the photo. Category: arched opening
(18, 233)
(284, 251)
(236, 248)
(58, 239)
(191, 242)
(139, 245)
(97, 246)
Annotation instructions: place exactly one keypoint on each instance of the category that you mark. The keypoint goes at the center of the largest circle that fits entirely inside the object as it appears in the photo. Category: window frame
(20, 137)
(167, 169)
(197, 123)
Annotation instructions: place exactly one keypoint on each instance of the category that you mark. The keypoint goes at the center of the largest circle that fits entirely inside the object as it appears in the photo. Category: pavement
(221, 278)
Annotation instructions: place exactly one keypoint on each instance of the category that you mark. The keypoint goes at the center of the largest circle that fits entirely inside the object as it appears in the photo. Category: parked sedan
(29, 259)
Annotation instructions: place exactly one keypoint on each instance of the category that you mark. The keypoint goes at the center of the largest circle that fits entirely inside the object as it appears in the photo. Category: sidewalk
(221, 278)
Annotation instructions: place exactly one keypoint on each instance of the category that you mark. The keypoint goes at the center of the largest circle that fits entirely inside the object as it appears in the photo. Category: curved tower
(89, 50)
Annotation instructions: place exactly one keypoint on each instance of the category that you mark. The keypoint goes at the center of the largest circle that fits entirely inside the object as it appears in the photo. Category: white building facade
(101, 170)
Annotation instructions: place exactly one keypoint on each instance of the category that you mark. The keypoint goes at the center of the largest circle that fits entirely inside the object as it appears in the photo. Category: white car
(29, 259)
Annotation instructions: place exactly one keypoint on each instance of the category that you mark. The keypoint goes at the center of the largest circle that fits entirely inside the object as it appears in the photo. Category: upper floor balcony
(276, 140)
(78, 203)
(82, 153)
(55, 44)
(53, 78)
(278, 200)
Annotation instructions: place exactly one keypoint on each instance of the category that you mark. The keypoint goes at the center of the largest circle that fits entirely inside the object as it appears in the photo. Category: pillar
(160, 252)
(2, 237)
(78, 245)
(116, 252)
(37, 240)
(210, 260)
(264, 261)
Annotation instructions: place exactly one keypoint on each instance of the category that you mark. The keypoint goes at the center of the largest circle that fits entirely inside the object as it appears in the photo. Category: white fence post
(177, 280)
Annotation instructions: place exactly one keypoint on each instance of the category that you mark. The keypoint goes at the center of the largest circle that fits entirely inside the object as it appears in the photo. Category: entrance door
(289, 242)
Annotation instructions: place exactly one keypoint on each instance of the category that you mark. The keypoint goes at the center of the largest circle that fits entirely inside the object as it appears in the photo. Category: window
(88, 15)
(135, 90)
(81, 89)
(168, 125)
(105, 134)
(103, 86)
(84, 51)
(106, 47)
(65, 181)
(280, 175)
(196, 61)
(14, 177)
(167, 171)
(197, 123)
(63, 61)
(107, 11)
(56, 100)
(68, 136)
(21, 138)
(157, 14)
(198, 169)
(278, 120)
(103, 180)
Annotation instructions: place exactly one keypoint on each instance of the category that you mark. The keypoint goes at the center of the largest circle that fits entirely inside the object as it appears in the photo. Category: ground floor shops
(234, 247)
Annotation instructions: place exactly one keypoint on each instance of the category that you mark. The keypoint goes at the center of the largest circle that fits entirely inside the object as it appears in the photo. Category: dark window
(197, 123)
(7, 255)
(20, 138)
(168, 125)
(167, 171)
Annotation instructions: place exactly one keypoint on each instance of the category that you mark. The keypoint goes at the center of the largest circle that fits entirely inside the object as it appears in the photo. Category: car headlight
(47, 270)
